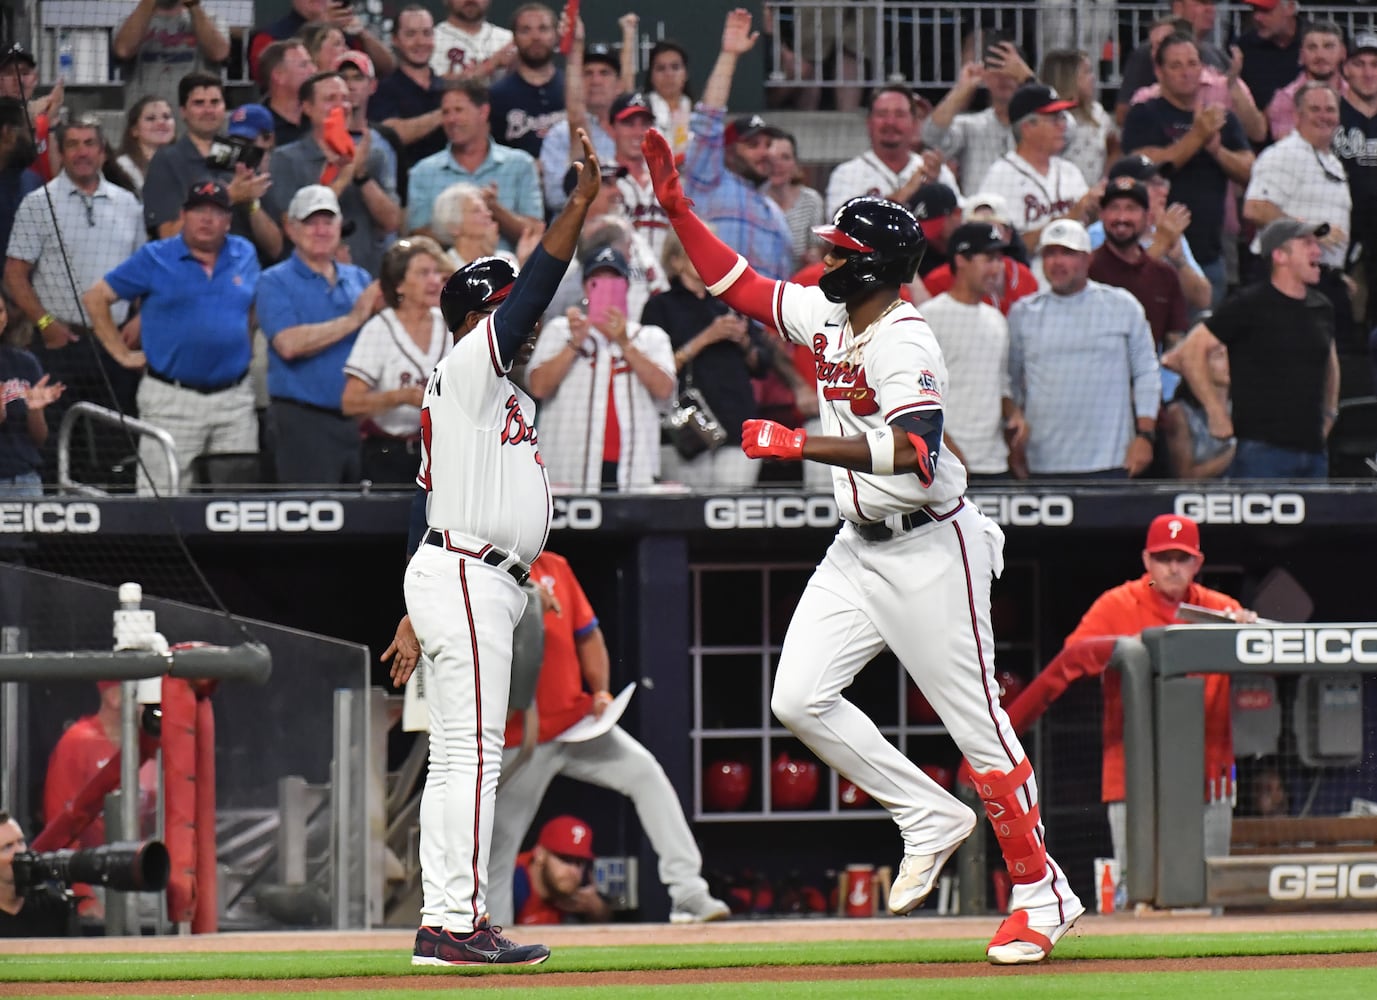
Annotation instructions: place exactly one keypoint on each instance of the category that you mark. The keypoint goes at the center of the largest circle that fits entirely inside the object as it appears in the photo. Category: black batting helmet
(474, 287)
(886, 243)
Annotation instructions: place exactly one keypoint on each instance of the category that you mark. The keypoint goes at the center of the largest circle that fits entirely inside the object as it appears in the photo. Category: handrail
(248, 661)
(112, 418)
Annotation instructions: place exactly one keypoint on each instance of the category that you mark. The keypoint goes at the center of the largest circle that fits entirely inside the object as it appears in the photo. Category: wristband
(360, 180)
(45, 321)
(881, 441)
(1151, 436)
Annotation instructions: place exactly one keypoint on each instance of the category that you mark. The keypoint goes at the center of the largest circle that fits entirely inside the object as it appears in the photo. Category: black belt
(204, 390)
(517, 570)
(878, 531)
(313, 407)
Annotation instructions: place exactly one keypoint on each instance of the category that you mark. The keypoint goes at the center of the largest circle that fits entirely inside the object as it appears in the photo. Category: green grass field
(1046, 981)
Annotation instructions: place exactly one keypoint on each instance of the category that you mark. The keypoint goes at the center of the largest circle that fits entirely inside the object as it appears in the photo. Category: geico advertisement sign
(257, 516)
(49, 518)
(1305, 645)
(1242, 508)
(722, 513)
(1026, 510)
(576, 514)
(1290, 883)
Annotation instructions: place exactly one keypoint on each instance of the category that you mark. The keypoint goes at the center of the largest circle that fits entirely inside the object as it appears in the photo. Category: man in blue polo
(197, 290)
(310, 308)
(471, 156)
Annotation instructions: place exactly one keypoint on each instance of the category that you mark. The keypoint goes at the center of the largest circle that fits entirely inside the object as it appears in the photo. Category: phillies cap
(629, 106)
(208, 193)
(748, 126)
(1124, 187)
(249, 121)
(1036, 99)
(311, 199)
(360, 61)
(1174, 533)
(976, 237)
(1066, 233)
(605, 258)
(1278, 231)
(568, 836)
(1363, 41)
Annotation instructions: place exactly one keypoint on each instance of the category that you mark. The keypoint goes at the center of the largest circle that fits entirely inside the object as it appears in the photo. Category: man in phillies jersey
(551, 884)
(911, 566)
(1171, 559)
(486, 503)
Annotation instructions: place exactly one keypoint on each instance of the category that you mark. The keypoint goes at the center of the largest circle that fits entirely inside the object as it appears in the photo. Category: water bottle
(64, 57)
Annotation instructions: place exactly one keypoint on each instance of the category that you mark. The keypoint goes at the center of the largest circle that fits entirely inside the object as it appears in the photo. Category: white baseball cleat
(1016, 943)
(701, 909)
(918, 874)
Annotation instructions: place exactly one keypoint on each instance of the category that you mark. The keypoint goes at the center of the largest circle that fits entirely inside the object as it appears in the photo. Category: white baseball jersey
(384, 357)
(975, 344)
(901, 370)
(480, 465)
(867, 174)
(1035, 199)
(645, 212)
(457, 51)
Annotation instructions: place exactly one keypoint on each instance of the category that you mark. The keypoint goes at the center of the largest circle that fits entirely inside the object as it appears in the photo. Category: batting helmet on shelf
(478, 285)
(885, 241)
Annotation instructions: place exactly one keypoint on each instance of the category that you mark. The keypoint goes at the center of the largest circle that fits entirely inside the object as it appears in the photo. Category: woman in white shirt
(148, 127)
(665, 82)
(1092, 141)
(386, 373)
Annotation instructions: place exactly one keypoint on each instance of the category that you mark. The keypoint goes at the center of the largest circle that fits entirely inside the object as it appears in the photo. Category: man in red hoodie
(1171, 559)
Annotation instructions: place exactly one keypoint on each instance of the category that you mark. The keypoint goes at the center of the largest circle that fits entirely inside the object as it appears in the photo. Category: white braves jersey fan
(480, 465)
(900, 369)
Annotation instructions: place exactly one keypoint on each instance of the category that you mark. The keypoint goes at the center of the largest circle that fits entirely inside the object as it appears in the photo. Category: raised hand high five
(659, 158)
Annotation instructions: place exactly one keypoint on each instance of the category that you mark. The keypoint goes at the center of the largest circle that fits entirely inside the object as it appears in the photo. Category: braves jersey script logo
(1036, 209)
(516, 430)
(842, 381)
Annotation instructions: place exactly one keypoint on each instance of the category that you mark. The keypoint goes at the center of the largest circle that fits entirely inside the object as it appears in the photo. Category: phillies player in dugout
(1171, 559)
(483, 515)
(910, 568)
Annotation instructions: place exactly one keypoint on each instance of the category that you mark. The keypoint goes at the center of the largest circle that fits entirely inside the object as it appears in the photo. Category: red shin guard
(1015, 827)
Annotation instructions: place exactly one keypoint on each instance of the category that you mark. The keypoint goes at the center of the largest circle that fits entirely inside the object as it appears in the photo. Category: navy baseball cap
(1036, 99)
(208, 193)
(605, 258)
(749, 126)
(17, 53)
(976, 237)
(249, 121)
(1124, 187)
(629, 106)
(1139, 167)
(603, 53)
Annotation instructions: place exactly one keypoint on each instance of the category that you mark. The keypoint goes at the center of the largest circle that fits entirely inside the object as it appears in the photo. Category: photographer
(45, 913)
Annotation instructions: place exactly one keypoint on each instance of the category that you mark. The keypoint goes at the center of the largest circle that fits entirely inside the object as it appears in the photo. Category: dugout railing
(1164, 761)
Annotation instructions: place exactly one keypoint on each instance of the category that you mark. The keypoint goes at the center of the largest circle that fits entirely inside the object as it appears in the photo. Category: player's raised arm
(722, 269)
(535, 286)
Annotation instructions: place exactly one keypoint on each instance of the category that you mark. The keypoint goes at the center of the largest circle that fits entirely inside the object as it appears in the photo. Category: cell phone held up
(605, 291)
(994, 57)
(227, 151)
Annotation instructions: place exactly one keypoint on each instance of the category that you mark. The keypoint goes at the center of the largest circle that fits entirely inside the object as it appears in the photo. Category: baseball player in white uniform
(487, 510)
(912, 565)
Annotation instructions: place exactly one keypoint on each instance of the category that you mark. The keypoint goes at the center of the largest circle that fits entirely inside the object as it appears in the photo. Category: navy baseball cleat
(485, 945)
(424, 951)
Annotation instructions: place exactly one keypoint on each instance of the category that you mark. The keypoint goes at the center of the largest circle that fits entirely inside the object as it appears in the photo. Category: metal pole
(11, 746)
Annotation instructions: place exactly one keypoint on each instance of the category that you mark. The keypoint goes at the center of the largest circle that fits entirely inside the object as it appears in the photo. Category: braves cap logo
(1125, 183)
(205, 188)
(604, 256)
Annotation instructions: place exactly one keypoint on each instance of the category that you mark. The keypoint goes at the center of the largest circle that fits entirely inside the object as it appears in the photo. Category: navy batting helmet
(885, 241)
(476, 286)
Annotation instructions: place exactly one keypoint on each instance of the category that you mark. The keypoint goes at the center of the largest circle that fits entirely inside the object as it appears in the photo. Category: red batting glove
(767, 439)
(664, 174)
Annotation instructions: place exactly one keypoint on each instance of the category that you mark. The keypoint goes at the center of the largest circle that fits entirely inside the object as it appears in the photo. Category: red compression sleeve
(716, 263)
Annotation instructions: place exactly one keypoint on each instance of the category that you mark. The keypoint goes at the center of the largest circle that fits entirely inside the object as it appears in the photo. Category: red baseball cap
(568, 836)
(1263, 4)
(1174, 533)
(103, 686)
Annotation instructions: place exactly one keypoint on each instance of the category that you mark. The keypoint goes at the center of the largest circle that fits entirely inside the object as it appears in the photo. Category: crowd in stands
(1106, 278)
